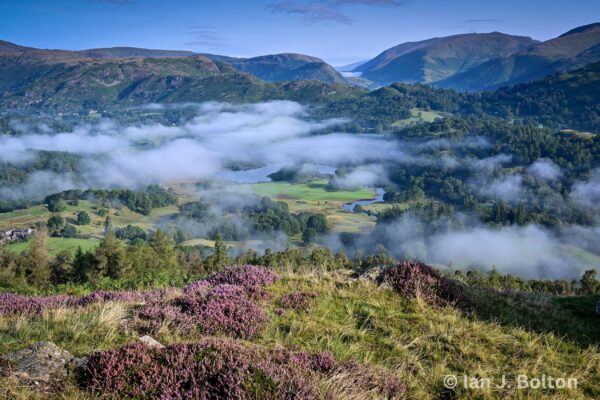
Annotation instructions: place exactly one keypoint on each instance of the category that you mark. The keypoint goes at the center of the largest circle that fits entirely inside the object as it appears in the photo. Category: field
(418, 116)
(314, 197)
(89, 235)
(57, 245)
(120, 217)
(310, 197)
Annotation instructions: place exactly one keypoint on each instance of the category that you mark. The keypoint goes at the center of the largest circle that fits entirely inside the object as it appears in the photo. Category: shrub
(195, 287)
(83, 218)
(417, 280)
(11, 303)
(69, 231)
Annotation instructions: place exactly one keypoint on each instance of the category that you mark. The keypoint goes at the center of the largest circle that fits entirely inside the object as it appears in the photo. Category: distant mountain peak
(581, 29)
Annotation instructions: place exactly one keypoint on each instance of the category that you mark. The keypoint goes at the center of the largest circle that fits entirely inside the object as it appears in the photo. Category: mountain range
(483, 61)
(63, 80)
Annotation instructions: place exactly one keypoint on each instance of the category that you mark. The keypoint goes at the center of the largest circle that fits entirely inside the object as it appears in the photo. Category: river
(378, 199)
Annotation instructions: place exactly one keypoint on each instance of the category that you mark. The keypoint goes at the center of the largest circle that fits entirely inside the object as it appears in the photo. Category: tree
(164, 247)
(108, 227)
(219, 259)
(109, 257)
(35, 263)
(55, 223)
(69, 231)
(83, 265)
(133, 234)
(83, 218)
(589, 283)
(56, 205)
(61, 268)
(309, 236)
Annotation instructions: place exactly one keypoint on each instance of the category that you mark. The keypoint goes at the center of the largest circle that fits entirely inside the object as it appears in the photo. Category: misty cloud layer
(281, 133)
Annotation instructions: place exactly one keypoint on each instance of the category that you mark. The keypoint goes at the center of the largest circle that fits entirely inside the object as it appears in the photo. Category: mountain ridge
(434, 59)
(271, 67)
(572, 50)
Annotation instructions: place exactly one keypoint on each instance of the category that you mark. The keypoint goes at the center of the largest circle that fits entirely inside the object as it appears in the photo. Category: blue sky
(340, 31)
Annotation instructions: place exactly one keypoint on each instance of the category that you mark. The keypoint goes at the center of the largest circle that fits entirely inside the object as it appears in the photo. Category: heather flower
(225, 309)
(225, 369)
(250, 277)
(20, 304)
(197, 287)
(296, 301)
(11, 303)
(417, 280)
(211, 369)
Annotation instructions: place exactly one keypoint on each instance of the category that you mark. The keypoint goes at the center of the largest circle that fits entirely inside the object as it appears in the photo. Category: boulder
(598, 308)
(150, 341)
(43, 365)
(374, 274)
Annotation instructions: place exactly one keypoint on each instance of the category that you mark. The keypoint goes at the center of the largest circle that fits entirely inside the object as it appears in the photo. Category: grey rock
(150, 341)
(598, 308)
(43, 364)
(374, 274)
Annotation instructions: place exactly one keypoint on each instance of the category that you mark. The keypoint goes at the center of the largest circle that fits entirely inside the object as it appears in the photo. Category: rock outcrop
(43, 365)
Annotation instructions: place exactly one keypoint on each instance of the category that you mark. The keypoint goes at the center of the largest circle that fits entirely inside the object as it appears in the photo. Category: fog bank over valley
(228, 145)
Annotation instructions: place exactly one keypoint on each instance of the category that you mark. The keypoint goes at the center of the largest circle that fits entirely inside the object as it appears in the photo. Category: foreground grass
(356, 319)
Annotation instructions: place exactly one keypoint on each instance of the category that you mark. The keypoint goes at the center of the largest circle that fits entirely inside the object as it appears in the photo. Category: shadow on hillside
(573, 318)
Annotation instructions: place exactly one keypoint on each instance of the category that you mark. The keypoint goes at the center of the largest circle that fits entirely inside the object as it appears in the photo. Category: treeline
(588, 284)
(159, 262)
(141, 202)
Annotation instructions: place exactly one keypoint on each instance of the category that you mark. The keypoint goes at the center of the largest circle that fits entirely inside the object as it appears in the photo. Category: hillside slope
(314, 334)
(63, 81)
(439, 58)
(285, 67)
(574, 49)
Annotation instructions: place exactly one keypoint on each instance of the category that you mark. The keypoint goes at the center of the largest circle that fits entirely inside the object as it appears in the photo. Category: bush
(56, 205)
(69, 231)
(11, 304)
(55, 223)
(152, 316)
